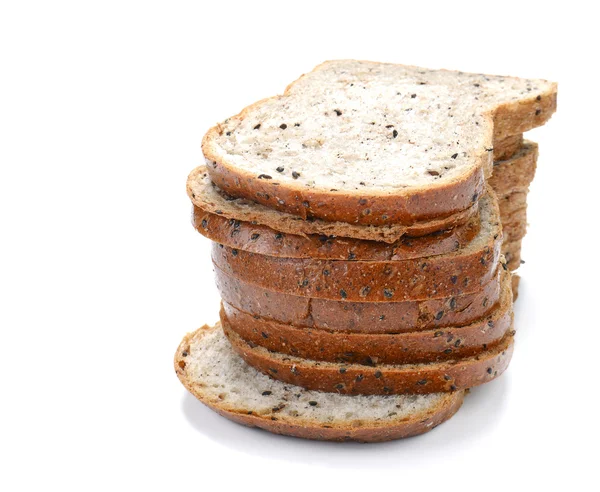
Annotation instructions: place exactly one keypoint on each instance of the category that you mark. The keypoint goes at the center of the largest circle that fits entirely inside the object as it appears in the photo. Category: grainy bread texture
(515, 226)
(261, 239)
(374, 143)
(359, 317)
(507, 147)
(458, 273)
(510, 203)
(207, 366)
(517, 172)
(370, 348)
(515, 286)
(512, 253)
(379, 379)
(209, 198)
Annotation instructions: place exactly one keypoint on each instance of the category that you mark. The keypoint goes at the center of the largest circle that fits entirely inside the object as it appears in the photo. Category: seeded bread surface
(462, 272)
(208, 367)
(373, 143)
(360, 317)
(418, 346)
(209, 198)
(256, 238)
(379, 379)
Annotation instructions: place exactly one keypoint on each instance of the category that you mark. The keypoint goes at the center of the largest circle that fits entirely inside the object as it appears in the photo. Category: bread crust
(370, 348)
(376, 208)
(515, 286)
(516, 173)
(382, 379)
(523, 115)
(507, 147)
(261, 239)
(206, 196)
(363, 431)
(433, 202)
(514, 227)
(360, 317)
(508, 204)
(374, 281)
(512, 254)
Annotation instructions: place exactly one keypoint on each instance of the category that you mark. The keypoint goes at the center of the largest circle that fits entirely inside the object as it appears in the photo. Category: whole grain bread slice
(209, 369)
(517, 172)
(514, 227)
(512, 254)
(379, 379)
(261, 239)
(507, 147)
(370, 348)
(373, 143)
(210, 199)
(458, 273)
(515, 286)
(359, 317)
(508, 204)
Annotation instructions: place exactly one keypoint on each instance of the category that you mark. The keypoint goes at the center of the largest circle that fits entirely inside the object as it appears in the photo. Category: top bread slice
(373, 143)
(210, 199)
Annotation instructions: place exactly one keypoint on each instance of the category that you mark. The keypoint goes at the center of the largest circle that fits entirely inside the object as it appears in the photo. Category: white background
(102, 109)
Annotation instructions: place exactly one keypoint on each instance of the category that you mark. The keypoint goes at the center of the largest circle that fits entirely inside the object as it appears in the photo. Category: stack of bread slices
(364, 224)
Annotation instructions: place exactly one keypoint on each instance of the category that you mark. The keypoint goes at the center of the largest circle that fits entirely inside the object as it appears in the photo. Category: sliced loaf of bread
(374, 143)
(208, 367)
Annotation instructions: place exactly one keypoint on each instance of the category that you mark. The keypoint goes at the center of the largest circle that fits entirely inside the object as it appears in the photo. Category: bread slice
(515, 286)
(359, 317)
(208, 367)
(373, 143)
(378, 379)
(462, 272)
(210, 199)
(507, 147)
(514, 227)
(261, 239)
(512, 254)
(516, 173)
(369, 348)
(511, 203)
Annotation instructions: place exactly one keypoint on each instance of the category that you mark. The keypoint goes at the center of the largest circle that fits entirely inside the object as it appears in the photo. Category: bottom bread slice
(208, 367)
(378, 379)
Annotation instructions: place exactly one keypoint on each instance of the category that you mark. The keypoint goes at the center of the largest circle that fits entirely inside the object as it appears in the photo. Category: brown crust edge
(261, 239)
(354, 379)
(298, 226)
(423, 346)
(505, 120)
(407, 209)
(305, 429)
(330, 315)
(409, 280)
